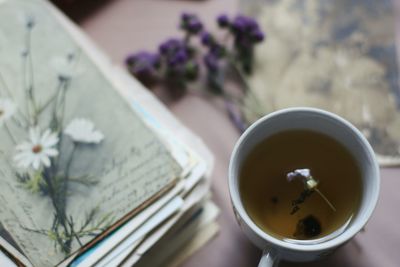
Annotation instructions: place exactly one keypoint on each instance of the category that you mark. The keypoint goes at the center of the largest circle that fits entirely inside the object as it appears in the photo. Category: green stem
(237, 101)
(30, 88)
(10, 134)
(71, 157)
(52, 98)
(6, 89)
(187, 38)
(64, 191)
(24, 88)
(259, 110)
(60, 213)
(74, 234)
(31, 73)
(89, 231)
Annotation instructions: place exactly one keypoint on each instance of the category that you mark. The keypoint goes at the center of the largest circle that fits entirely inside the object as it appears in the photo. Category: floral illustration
(38, 150)
(7, 109)
(82, 131)
(45, 149)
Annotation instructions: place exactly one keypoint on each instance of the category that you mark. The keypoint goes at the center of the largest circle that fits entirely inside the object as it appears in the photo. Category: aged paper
(336, 55)
(53, 208)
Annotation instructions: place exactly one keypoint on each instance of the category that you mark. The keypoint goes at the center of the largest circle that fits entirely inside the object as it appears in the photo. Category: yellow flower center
(37, 149)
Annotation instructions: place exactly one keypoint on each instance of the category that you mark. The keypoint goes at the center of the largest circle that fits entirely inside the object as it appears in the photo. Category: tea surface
(267, 194)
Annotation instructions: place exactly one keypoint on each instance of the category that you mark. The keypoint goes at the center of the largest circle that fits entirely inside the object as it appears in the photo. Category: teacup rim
(340, 239)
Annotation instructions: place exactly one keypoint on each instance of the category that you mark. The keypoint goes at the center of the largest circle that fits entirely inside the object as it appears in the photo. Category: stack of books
(94, 170)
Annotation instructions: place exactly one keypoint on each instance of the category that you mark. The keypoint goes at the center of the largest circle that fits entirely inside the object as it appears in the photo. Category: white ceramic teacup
(329, 124)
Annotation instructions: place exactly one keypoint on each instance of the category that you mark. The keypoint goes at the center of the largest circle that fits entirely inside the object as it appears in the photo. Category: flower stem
(187, 38)
(326, 199)
(9, 94)
(259, 110)
(69, 163)
(6, 89)
(10, 134)
(235, 118)
(52, 98)
(60, 213)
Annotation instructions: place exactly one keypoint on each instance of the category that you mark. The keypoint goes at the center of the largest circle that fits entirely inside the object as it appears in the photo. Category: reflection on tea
(307, 207)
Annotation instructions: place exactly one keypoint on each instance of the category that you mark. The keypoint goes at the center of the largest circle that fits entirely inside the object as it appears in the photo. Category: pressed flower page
(74, 157)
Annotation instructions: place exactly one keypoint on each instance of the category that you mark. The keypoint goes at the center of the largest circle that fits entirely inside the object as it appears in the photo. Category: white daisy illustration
(7, 109)
(38, 150)
(82, 131)
(66, 67)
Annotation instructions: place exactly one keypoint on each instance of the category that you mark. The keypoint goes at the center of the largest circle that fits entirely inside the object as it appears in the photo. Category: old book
(76, 160)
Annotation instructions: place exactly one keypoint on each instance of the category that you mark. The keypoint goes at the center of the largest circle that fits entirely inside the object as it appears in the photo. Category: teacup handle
(269, 259)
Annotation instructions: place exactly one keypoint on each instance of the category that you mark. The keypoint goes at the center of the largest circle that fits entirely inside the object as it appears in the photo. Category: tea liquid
(267, 194)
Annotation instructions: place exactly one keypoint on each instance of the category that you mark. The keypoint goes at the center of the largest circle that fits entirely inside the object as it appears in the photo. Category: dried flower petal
(299, 173)
(206, 38)
(191, 23)
(223, 20)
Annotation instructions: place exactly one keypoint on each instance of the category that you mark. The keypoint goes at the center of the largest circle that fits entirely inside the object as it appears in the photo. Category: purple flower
(223, 20)
(181, 56)
(243, 25)
(178, 58)
(191, 23)
(175, 52)
(257, 35)
(298, 174)
(239, 24)
(251, 24)
(217, 50)
(246, 32)
(195, 26)
(211, 62)
(171, 45)
(186, 16)
(206, 38)
(143, 63)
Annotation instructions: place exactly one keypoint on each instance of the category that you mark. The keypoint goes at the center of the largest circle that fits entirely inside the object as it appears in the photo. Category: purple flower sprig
(144, 65)
(214, 62)
(191, 24)
(246, 33)
(179, 61)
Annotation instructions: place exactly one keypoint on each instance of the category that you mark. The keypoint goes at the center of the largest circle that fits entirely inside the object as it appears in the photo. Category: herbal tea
(300, 184)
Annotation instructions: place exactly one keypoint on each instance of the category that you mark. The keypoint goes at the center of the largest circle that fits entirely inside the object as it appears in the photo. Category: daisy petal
(45, 136)
(24, 146)
(22, 155)
(45, 161)
(26, 162)
(51, 152)
(51, 140)
(83, 131)
(36, 163)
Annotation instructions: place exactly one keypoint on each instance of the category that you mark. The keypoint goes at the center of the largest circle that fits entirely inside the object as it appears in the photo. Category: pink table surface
(122, 26)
